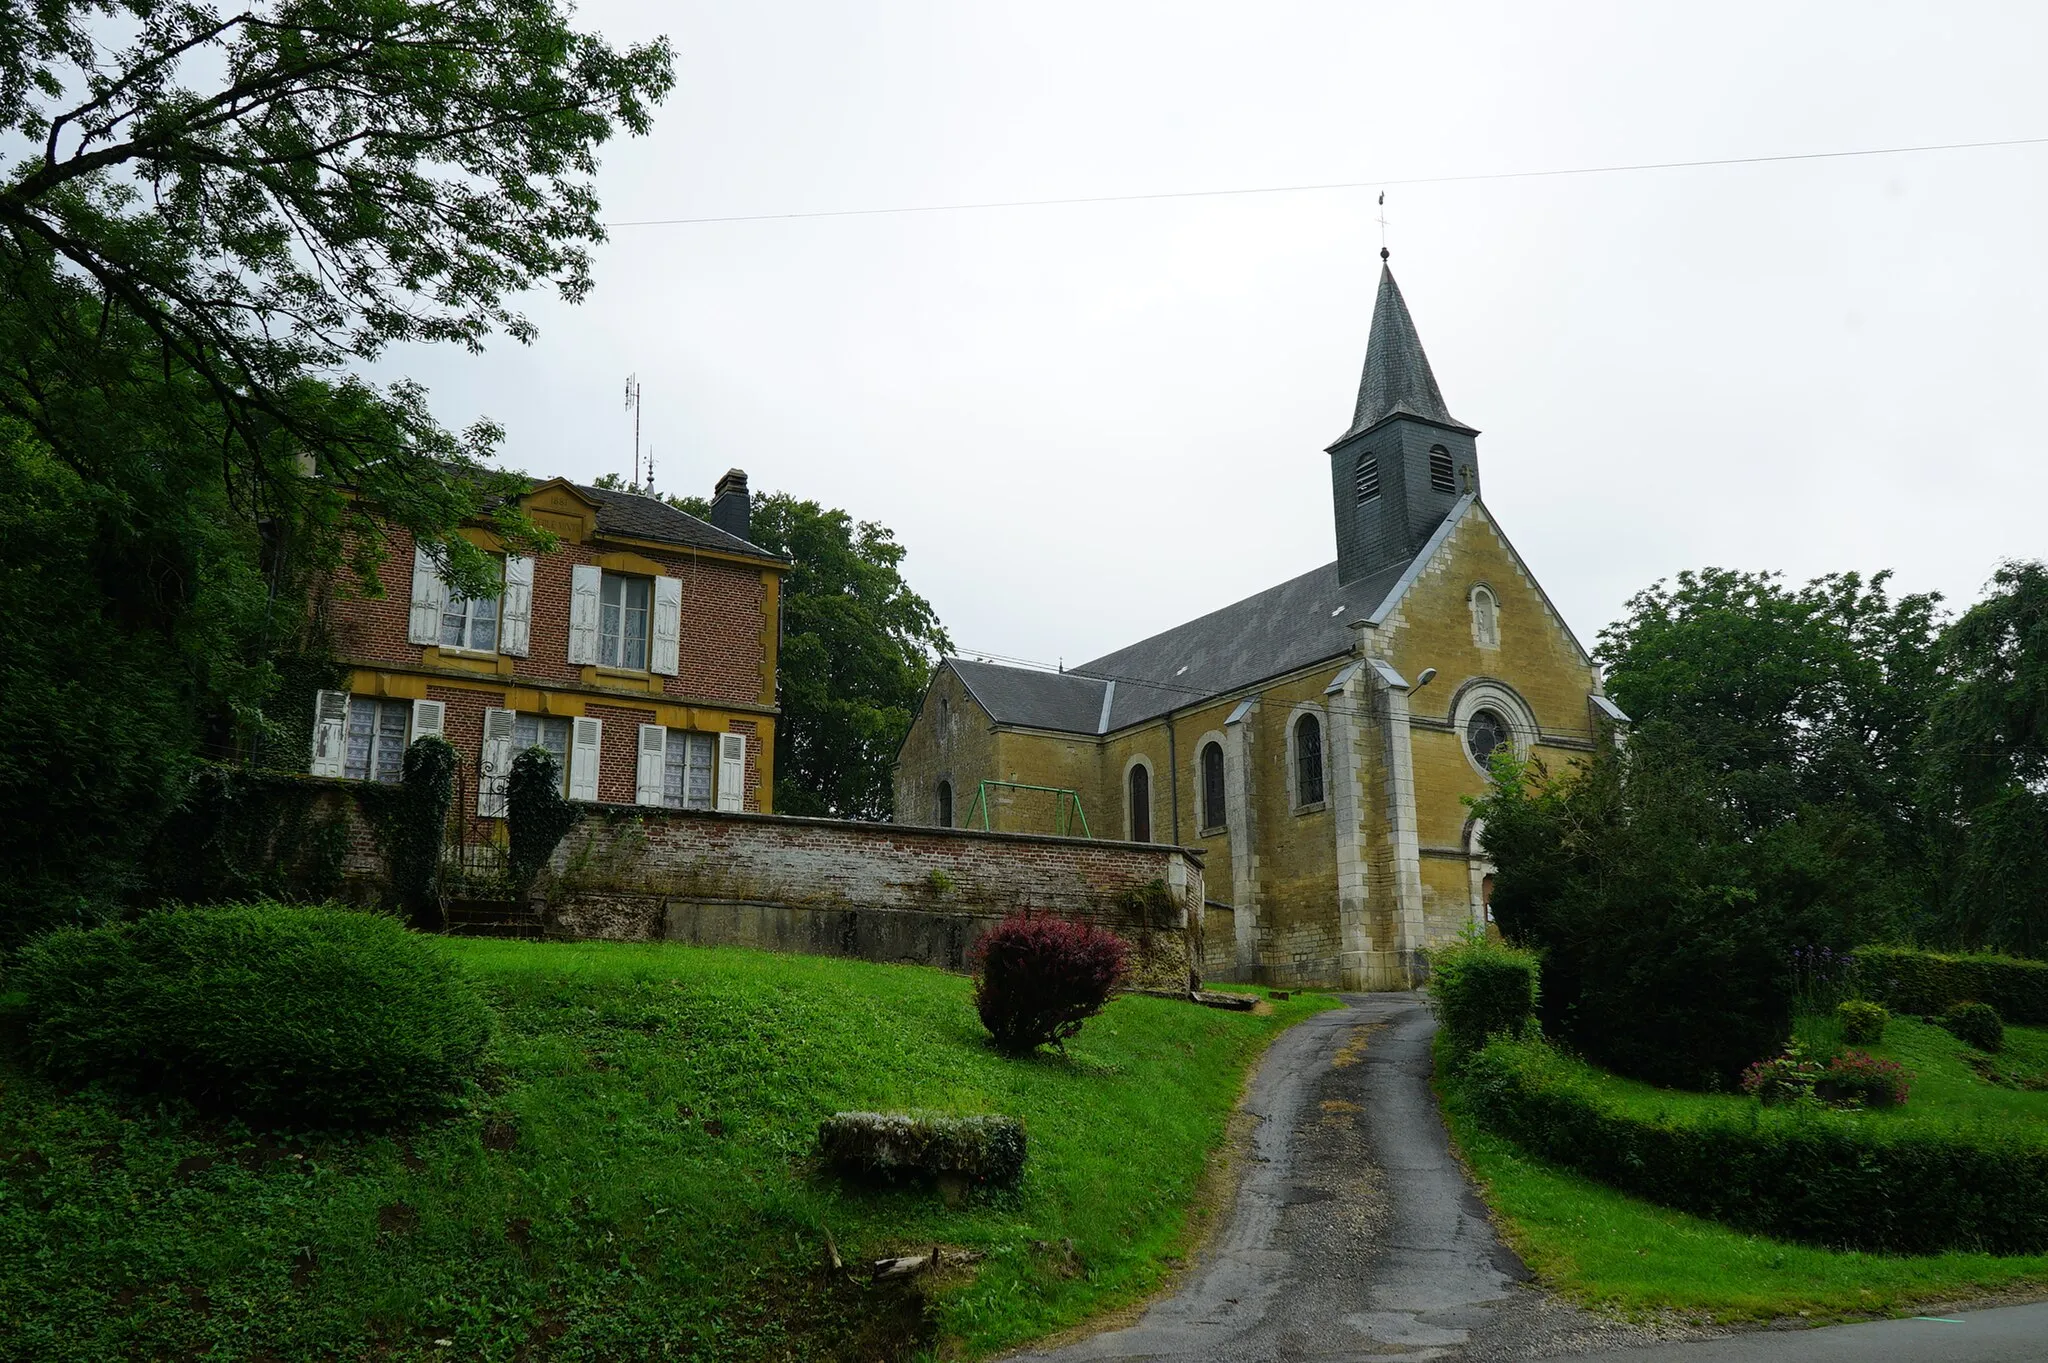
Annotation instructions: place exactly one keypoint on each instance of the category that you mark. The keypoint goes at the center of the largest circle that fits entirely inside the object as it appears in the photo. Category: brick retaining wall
(887, 892)
(880, 892)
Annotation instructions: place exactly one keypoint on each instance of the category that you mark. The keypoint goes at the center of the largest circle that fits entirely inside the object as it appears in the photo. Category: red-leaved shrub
(1038, 979)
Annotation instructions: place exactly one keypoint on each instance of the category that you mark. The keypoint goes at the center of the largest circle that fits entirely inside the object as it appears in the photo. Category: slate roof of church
(642, 517)
(1280, 630)
(1397, 378)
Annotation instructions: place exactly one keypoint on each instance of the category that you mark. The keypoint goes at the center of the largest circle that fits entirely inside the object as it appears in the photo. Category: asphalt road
(1355, 1235)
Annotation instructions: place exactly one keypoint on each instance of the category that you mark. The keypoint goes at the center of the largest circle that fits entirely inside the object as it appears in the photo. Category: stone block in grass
(894, 1147)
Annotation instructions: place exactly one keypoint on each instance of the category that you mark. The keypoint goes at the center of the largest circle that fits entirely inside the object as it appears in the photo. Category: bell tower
(1406, 460)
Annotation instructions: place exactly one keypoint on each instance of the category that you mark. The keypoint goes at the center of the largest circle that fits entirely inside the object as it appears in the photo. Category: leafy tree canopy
(211, 215)
(858, 647)
(1988, 754)
(253, 199)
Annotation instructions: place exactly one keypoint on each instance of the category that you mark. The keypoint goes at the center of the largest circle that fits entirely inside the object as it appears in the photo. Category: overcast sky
(1089, 423)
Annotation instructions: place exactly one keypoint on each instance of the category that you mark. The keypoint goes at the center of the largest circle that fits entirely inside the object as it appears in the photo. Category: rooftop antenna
(633, 405)
(1384, 252)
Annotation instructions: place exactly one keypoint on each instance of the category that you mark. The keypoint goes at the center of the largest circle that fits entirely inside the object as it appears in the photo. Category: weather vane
(1384, 252)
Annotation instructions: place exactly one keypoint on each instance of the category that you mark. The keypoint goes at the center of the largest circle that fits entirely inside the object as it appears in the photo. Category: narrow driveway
(1355, 1235)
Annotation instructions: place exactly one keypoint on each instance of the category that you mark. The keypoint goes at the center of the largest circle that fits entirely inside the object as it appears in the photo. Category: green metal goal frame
(1066, 806)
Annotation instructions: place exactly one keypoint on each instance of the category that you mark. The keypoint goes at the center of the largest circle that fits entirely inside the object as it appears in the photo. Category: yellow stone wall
(1295, 853)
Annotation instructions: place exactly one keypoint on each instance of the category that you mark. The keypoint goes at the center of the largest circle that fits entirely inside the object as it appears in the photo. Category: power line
(1346, 184)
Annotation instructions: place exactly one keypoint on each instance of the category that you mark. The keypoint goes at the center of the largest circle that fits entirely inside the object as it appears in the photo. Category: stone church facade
(1316, 740)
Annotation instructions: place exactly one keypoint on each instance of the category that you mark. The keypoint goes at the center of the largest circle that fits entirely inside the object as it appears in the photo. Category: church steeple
(1397, 375)
(1405, 460)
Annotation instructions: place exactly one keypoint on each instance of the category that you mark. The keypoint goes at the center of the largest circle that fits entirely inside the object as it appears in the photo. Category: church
(1316, 740)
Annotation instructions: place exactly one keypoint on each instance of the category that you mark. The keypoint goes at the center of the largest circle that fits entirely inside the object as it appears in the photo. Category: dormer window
(1442, 476)
(1368, 477)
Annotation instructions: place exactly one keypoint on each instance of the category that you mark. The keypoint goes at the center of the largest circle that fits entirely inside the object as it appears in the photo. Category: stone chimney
(732, 509)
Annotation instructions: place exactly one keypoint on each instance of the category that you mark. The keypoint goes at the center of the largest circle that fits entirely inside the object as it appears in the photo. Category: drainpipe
(1173, 776)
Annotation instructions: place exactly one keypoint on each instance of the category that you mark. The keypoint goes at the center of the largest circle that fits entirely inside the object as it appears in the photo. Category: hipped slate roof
(649, 518)
(1397, 376)
(1280, 630)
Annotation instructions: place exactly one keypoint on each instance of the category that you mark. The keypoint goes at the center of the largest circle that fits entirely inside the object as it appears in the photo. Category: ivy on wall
(249, 835)
(411, 821)
(536, 814)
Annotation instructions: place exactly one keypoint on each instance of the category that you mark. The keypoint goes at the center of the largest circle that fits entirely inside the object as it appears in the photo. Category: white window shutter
(732, 771)
(429, 718)
(653, 758)
(515, 608)
(429, 599)
(330, 723)
(584, 581)
(586, 742)
(499, 726)
(666, 653)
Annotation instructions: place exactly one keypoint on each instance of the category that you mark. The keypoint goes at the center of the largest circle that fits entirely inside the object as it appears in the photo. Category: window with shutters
(375, 747)
(1212, 786)
(544, 731)
(1308, 761)
(1441, 475)
(622, 622)
(470, 624)
(1368, 477)
(686, 774)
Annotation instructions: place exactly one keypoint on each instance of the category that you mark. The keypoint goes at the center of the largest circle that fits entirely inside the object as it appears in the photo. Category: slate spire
(1397, 376)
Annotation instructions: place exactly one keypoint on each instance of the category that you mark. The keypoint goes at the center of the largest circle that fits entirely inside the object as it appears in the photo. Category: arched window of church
(1485, 618)
(945, 804)
(1441, 475)
(1141, 803)
(1484, 734)
(1308, 761)
(1212, 785)
(1368, 477)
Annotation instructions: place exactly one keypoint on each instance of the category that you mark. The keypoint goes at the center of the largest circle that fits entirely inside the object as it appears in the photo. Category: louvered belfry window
(1441, 475)
(1368, 477)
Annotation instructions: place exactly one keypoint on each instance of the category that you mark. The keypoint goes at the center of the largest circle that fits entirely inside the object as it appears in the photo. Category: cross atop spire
(1397, 376)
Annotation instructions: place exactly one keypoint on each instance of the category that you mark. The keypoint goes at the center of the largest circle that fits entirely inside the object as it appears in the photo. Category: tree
(1988, 757)
(858, 648)
(220, 214)
(1665, 949)
(1806, 708)
(248, 202)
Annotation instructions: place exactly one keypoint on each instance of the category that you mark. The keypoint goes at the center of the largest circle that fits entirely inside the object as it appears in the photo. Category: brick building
(1316, 740)
(641, 653)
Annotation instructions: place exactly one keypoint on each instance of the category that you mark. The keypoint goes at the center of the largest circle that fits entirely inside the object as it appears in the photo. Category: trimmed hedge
(1862, 1022)
(1929, 983)
(276, 1014)
(1827, 1178)
(1976, 1024)
(1481, 989)
(893, 1146)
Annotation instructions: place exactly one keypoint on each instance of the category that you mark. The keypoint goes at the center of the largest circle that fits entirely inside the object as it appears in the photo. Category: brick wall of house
(721, 658)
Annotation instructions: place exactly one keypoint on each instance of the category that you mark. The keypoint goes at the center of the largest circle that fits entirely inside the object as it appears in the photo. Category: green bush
(1481, 989)
(1862, 1022)
(1796, 1173)
(891, 1146)
(1929, 983)
(536, 814)
(1976, 1024)
(278, 1015)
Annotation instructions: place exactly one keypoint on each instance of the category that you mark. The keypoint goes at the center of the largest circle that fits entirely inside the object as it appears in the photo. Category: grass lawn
(1604, 1248)
(635, 1181)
